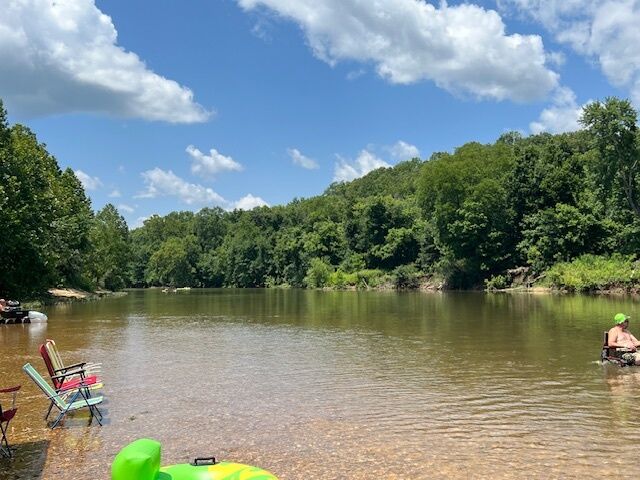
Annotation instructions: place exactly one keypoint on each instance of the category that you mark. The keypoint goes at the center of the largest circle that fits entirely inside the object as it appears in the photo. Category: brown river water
(337, 385)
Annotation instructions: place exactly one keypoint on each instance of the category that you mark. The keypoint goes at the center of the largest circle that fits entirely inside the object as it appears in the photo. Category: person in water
(623, 340)
(3, 303)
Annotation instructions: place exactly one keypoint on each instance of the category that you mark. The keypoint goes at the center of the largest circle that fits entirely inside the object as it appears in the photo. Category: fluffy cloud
(346, 171)
(562, 116)
(162, 183)
(249, 202)
(88, 182)
(63, 56)
(462, 48)
(605, 30)
(299, 159)
(126, 208)
(404, 151)
(208, 166)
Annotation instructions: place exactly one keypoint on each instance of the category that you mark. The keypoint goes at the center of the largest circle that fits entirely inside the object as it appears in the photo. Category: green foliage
(464, 198)
(406, 276)
(289, 257)
(210, 227)
(318, 274)
(613, 125)
(246, 255)
(370, 278)
(173, 263)
(341, 280)
(210, 269)
(559, 234)
(465, 217)
(110, 252)
(593, 272)
(496, 282)
(44, 214)
(353, 262)
(380, 228)
(398, 182)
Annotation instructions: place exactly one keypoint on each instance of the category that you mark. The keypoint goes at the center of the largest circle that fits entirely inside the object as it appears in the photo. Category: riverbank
(61, 295)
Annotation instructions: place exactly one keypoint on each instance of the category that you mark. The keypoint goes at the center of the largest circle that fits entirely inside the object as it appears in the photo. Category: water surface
(337, 385)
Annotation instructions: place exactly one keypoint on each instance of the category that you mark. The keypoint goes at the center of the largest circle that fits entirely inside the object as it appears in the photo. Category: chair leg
(96, 413)
(49, 411)
(58, 419)
(6, 448)
(64, 412)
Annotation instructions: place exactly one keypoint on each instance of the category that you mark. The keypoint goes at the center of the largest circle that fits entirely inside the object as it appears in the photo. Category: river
(337, 385)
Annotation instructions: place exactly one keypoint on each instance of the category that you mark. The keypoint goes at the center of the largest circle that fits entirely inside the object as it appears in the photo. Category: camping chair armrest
(62, 376)
(71, 367)
(80, 386)
(10, 389)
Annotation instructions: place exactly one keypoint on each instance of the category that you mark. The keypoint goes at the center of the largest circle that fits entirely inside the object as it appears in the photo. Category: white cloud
(562, 116)
(404, 151)
(126, 208)
(606, 30)
(299, 159)
(115, 194)
(208, 166)
(355, 74)
(88, 182)
(162, 183)
(249, 202)
(63, 56)
(462, 48)
(346, 171)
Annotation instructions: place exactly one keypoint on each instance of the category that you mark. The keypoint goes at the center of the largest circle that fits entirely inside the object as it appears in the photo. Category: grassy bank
(594, 273)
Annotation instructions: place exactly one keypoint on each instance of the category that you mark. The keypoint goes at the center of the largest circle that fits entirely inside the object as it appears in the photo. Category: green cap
(620, 317)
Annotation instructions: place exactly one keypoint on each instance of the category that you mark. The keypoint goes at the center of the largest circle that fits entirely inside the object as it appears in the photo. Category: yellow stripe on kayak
(238, 471)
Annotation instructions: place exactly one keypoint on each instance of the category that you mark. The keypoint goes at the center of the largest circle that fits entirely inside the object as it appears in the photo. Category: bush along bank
(588, 273)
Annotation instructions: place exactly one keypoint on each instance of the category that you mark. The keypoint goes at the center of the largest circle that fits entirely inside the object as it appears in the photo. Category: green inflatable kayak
(140, 460)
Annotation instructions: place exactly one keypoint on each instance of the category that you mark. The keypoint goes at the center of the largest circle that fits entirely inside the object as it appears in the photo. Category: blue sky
(168, 105)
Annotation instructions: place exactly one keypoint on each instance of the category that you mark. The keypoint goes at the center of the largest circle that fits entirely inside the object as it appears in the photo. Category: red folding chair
(6, 415)
(68, 379)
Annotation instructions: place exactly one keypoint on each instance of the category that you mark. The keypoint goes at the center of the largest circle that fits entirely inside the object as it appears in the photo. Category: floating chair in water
(611, 354)
(140, 460)
(70, 401)
(58, 364)
(67, 379)
(6, 415)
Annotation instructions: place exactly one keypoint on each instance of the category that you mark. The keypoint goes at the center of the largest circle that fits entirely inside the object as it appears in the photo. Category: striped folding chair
(68, 402)
(67, 379)
(58, 364)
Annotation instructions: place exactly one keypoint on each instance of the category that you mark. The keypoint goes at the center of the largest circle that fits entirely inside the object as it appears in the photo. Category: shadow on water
(27, 462)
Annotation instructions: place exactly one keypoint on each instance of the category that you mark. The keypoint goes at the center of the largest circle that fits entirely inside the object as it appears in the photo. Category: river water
(337, 385)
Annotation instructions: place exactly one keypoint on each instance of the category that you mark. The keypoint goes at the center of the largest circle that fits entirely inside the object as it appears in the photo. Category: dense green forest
(563, 208)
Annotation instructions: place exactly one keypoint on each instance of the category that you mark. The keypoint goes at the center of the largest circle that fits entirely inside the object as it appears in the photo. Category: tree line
(464, 217)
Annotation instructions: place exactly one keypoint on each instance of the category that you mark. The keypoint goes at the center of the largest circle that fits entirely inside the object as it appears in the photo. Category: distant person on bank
(3, 303)
(621, 338)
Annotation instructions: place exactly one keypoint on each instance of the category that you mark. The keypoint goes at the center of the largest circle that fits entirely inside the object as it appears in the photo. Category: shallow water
(337, 385)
